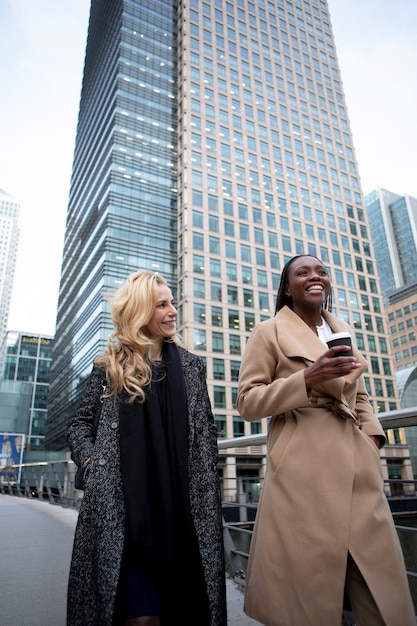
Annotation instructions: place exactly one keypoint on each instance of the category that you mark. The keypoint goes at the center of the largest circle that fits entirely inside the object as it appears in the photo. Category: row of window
(405, 310)
(292, 208)
(256, 234)
(255, 427)
(409, 323)
(408, 355)
(218, 184)
(247, 253)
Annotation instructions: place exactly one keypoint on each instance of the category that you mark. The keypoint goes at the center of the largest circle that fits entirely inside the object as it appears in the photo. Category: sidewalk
(35, 556)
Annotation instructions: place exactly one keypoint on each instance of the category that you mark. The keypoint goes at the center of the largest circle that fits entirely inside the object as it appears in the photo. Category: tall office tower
(9, 242)
(213, 144)
(393, 223)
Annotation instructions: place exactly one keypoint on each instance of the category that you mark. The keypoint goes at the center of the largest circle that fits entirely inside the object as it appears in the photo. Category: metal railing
(54, 482)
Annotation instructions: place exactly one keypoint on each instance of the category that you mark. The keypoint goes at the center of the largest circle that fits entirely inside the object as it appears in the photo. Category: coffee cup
(340, 339)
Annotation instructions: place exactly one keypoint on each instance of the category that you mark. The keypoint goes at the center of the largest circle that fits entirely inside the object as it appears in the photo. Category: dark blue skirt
(137, 591)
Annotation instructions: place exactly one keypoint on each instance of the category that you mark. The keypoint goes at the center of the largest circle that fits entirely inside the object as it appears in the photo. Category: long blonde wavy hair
(127, 362)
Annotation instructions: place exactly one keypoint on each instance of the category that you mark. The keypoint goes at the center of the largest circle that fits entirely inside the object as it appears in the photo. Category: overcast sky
(42, 45)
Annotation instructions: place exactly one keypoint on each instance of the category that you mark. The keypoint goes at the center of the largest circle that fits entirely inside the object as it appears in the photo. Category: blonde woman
(148, 547)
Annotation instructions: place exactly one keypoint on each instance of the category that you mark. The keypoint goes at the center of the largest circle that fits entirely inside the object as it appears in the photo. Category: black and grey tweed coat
(100, 531)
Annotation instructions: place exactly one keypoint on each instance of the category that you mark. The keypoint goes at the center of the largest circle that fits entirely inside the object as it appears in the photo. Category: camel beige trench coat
(323, 490)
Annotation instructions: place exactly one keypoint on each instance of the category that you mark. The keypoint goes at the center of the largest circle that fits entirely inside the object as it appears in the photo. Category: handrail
(54, 481)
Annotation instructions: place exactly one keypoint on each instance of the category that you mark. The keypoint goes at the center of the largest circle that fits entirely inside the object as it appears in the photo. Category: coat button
(102, 462)
(114, 425)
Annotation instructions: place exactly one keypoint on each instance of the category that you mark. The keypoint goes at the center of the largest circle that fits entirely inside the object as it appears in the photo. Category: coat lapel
(297, 339)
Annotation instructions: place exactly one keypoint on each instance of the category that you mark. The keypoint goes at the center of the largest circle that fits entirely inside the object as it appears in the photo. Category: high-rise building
(213, 144)
(393, 223)
(9, 242)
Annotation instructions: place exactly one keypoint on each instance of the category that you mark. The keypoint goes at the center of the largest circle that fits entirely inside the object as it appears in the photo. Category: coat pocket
(279, 442)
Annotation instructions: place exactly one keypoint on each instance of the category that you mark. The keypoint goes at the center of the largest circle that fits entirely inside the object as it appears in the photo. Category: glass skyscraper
(9, 242)
(393, 222)
(213, 144)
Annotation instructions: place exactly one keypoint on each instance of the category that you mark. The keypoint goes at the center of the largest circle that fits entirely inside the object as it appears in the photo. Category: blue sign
(11, 453)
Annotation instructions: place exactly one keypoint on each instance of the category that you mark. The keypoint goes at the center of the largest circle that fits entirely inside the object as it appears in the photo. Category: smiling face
(163, 321)
(308, 284)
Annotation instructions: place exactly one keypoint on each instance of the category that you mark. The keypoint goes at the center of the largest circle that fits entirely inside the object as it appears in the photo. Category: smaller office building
(25, 361)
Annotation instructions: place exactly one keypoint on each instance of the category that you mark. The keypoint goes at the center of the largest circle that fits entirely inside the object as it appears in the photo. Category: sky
(42, 46)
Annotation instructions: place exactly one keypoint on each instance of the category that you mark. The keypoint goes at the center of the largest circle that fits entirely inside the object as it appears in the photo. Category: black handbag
(79, 474)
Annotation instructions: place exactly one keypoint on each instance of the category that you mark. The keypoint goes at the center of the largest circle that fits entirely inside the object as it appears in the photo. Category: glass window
(200, 339)
(262, 278)
(198, 241)
(198, 219)
(199, 288)
(41, 396)
(199, 313)
(248, 298)
(26, 367)
(218, 342)
(246, 274)
(231, 271)
(214, 245)
(219, 397)
(215, 267)
(43, 374)
(238, 426)
(244, 232)
(230, 249)
(214, 223)
(234, 370)
(221, 426)
(198, 264)
(260, 256)
(231, 294)
(215, 292)
(263, 301)
(218, 369)
(259, 236)
(245, 253)
(216, 316)
(213, 203)
(234, 319)
(234, 342)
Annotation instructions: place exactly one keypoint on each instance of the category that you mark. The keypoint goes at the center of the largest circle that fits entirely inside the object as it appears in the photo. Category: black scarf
(160, 533)
(154, 461)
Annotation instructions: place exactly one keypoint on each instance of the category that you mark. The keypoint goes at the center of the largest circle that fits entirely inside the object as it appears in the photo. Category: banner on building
(11, 454)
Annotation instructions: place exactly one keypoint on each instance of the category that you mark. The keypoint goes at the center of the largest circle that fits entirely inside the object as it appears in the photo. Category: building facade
(213, 144)
(24, 386)
(402, 324)
(393, 223)
(9, 242)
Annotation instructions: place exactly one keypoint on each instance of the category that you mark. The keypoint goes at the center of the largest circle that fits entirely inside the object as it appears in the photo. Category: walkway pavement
(35, 556)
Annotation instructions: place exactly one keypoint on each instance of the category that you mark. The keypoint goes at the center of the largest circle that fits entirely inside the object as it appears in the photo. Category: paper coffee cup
(341, 339)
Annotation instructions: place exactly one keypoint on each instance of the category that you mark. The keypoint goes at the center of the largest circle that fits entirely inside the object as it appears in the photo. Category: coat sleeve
(260, 393)
(80, 428)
